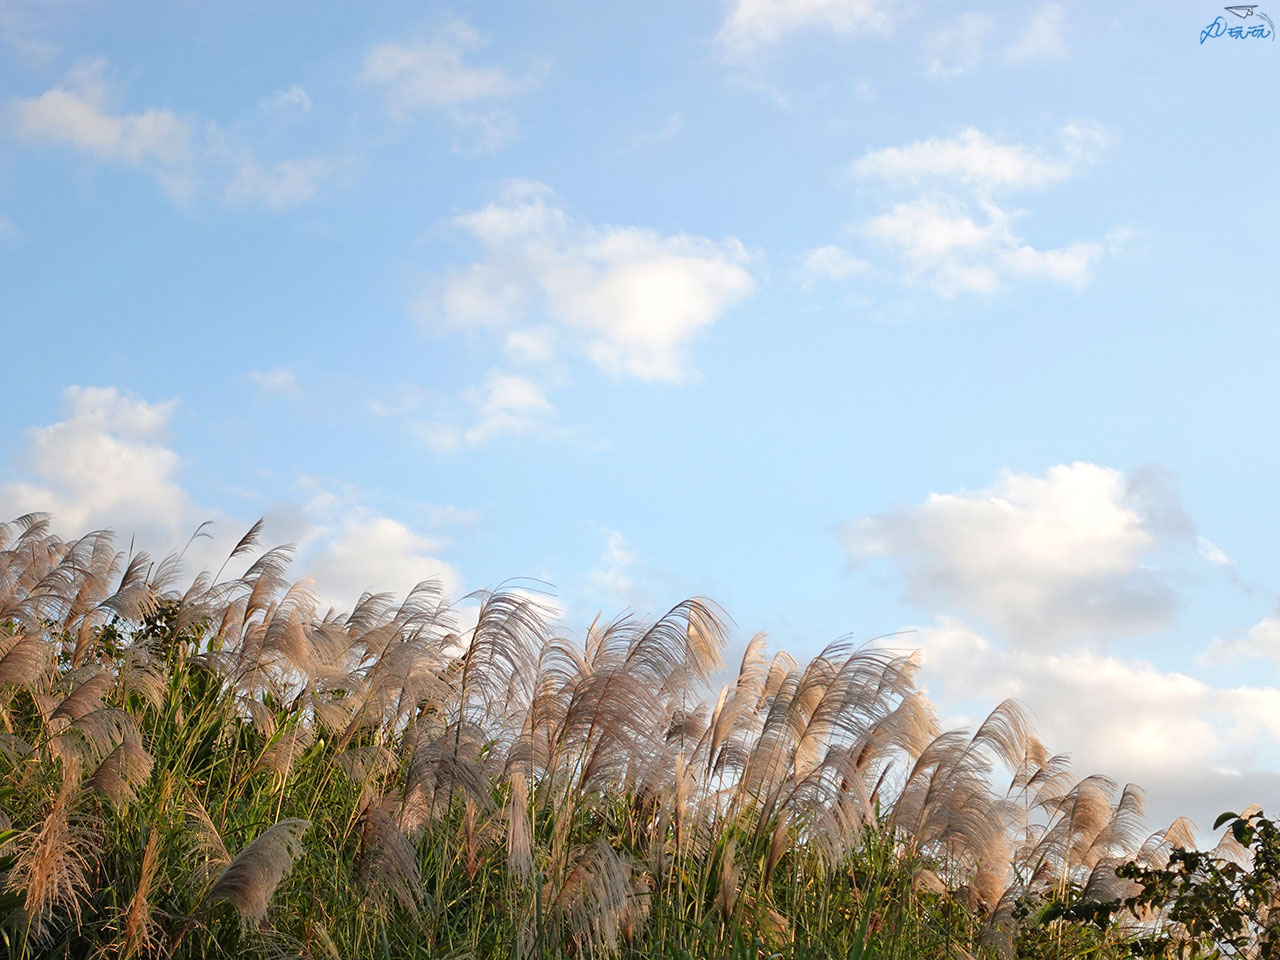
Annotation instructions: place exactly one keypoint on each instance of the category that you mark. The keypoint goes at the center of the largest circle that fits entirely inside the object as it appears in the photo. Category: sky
(948, 325)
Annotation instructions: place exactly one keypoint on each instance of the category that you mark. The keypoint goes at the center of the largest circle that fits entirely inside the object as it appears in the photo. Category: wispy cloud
(1043, 38)
(505, 404)
(280, 380)
(755, 24)
(956, 47)
(437, 75)
(950, 220)
(183, 153)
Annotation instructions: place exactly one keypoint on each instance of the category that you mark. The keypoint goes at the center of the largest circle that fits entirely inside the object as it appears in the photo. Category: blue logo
(1261, 29)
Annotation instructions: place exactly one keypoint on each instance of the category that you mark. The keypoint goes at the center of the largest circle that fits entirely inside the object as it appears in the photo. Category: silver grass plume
(250, 879)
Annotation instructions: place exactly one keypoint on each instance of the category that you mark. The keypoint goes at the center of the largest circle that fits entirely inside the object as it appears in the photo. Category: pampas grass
(398, 788)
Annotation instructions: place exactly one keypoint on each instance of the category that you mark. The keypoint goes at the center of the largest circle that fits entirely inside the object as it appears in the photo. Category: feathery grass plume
(55, 862)
(250, 879)
(206, 840)
(387, 864)
(590, 904)
(25, 662)
(519, 829)
(140, 932)
(122, 771)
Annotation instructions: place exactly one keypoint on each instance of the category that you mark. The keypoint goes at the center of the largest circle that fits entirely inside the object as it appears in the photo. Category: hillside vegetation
(216, 767)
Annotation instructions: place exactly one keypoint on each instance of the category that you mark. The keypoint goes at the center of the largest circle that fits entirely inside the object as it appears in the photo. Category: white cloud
(106, 464)
(435, 75)
(955, 48)
(1043, 558)
(752, 24)
(1261, 642)
(1214, 553)
(1206, 748)
(291, 98)
(368, 552)
(649, 138)
(976, 160)
(614, 572)
(631, 299)
(78, 114)
(504, 405)
(831, 263)
(279, 380)
(283, 184)
(955, 230)
(182, 154)
(1043, 38)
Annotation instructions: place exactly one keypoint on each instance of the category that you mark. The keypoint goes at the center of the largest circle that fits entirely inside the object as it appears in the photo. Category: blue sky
(856, 317)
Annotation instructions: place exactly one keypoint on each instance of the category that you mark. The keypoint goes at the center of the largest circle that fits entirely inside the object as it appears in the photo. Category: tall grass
(219, 768)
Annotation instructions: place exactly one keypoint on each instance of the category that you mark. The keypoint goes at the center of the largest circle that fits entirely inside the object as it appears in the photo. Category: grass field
(215, 767)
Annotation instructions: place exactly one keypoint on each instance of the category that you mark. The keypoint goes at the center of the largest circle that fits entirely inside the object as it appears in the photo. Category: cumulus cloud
(754, 24)
(1200, 749)
(630, 299)
(1043, 558)
(182, 153)
(955, 229)
(505, 404)
(367, 552)
(105, 464)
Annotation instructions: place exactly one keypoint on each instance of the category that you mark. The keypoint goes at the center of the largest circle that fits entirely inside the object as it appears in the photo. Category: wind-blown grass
(219, 768)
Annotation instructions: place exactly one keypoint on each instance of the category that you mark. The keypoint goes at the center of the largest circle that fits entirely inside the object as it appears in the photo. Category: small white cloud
(181, 154)
(974, 159)
(1044, 558)
(283, 184)
(956, 232)
(955, 48)
(613, 573)
(436, 75)
(1214, 553)
(831, 263)
(279, 380)
(291, 99)
(631, 299)
(1043, 38)
(504, 405)
(647, 139)
(753, 24)
(78, 114)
